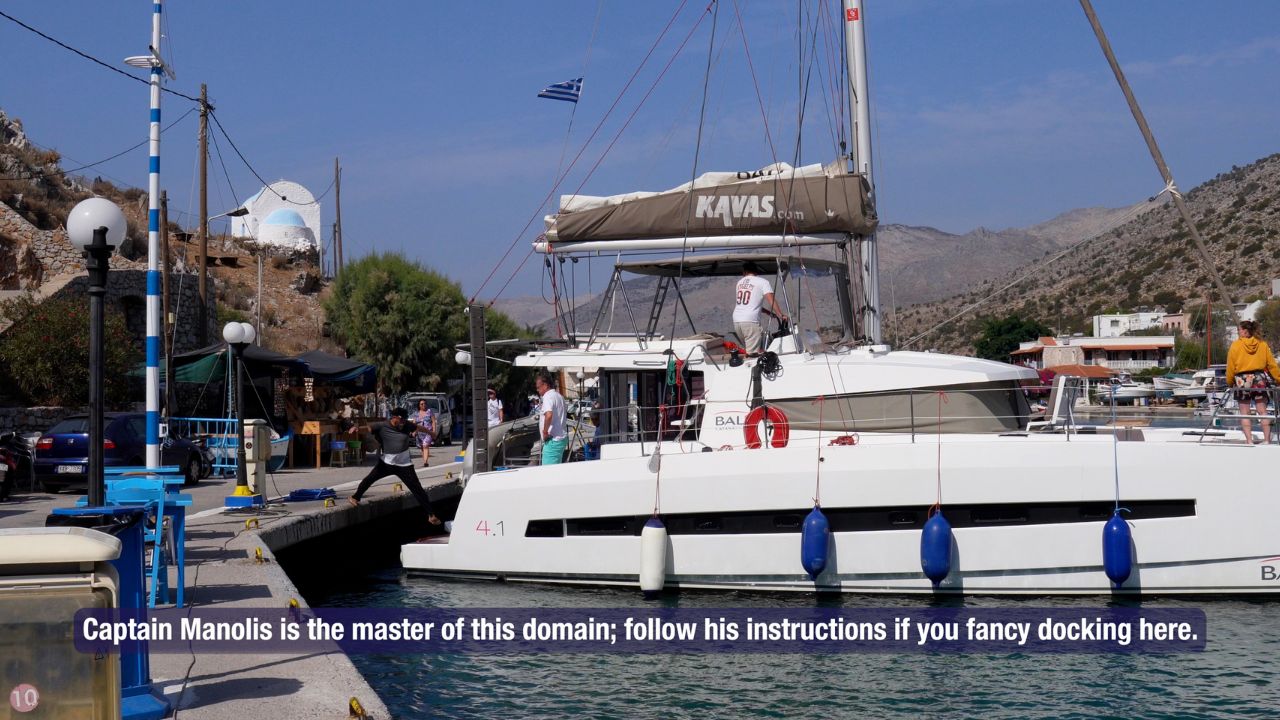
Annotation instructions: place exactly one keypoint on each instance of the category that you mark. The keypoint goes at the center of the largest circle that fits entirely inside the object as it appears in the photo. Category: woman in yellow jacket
(1251, 369)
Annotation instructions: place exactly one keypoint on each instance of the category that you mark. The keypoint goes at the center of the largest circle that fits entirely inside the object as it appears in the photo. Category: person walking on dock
(395, 440)
(1252, 370)
(425, 419)
(551, 420)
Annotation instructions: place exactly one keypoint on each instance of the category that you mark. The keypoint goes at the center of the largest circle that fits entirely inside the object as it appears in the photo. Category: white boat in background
(722, 472)
(1125, 389)
(1171, 381)
(1212, 380)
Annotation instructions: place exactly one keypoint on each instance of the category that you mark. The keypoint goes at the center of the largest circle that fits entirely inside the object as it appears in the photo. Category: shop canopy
(205, 364)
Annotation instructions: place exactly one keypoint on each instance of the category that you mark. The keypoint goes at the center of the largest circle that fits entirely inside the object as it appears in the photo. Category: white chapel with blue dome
(283, 215)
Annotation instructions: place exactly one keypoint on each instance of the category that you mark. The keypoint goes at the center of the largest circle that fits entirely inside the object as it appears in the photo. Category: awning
(334, 369)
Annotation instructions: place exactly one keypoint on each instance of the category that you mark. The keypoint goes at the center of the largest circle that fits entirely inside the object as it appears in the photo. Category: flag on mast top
(569, 91)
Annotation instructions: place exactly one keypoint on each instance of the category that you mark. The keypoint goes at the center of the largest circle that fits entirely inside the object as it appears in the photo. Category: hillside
(34, 186)
(1148, 260)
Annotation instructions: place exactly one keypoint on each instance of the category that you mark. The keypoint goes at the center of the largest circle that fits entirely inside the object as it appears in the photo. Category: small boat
(1123, 388)
(279, 450)
(1203, 382)
(1172, 381)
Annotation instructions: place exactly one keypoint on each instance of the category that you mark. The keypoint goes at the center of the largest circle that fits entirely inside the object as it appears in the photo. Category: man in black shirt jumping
(395, 438)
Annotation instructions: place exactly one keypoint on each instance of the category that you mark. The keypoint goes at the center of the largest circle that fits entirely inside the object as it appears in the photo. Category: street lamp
(96, 226)
(238, 335)
(203, 281)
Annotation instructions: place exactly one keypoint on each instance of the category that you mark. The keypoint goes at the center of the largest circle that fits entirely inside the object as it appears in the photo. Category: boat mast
(860, 120)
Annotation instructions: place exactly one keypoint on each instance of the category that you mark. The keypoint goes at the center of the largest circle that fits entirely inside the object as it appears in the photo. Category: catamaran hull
(1028, 512)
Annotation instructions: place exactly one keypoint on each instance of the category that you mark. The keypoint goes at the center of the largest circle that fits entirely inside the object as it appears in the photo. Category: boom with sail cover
(776, 200)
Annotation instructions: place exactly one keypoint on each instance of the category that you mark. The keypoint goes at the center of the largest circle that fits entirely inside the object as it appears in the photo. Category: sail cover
(776, 199)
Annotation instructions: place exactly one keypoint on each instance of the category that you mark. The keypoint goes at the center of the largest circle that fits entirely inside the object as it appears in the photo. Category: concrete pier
(223, 570)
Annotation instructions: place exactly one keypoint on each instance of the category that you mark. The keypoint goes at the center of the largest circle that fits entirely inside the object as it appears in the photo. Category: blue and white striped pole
(153, 252)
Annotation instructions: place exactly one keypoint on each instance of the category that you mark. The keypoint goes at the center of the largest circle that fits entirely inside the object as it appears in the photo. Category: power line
(91, 58)
(94, 164)
(265, 184)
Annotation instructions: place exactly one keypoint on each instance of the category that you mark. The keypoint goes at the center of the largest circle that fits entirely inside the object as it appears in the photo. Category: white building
(1105, 326)
(1127, 354)
(285, 215)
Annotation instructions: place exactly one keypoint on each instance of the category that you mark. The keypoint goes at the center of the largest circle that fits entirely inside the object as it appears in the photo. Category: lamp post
(96, 226)
(204, 265)
(238, 335)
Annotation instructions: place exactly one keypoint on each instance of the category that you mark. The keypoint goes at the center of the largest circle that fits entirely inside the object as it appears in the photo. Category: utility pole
(337, 224)
(202, 316)
(166, 323)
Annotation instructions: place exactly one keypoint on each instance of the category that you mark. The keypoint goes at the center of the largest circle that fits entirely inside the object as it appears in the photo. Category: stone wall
(45, 261)
(127, 290)
(32, 420)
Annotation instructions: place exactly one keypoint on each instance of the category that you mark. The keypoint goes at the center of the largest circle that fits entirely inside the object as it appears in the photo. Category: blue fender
(815, 537)
(1117, 558)
(935, 548)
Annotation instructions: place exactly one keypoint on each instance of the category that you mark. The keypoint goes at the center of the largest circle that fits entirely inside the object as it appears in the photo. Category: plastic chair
(356, 447)
(338, 453)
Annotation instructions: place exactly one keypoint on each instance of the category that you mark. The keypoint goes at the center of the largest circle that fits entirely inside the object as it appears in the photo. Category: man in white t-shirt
(495, 408)
(750, 295)
(551, 420)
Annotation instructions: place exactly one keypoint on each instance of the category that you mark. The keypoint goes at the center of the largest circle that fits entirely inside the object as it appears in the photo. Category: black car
(62, 452)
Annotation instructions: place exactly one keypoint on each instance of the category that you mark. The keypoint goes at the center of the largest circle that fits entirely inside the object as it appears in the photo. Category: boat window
(969, 408)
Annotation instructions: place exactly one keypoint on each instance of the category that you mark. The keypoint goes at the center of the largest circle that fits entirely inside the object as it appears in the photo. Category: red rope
(821, 400)
(937, 505)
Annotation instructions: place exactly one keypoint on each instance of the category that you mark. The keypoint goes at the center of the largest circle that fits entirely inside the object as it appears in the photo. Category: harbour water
(1233, 678)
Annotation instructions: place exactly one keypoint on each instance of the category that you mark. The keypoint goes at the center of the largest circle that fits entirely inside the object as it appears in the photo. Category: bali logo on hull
(1269, 569)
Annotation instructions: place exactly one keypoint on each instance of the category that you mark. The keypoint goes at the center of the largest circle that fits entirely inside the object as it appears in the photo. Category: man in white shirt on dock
(551, 420)
(750, 295)
(495, 408)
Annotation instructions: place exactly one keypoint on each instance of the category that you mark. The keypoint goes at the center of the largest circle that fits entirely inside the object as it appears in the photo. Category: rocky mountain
(1148, 260)
(36, 195)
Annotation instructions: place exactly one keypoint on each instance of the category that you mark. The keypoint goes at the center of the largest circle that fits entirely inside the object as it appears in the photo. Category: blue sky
(991, 113)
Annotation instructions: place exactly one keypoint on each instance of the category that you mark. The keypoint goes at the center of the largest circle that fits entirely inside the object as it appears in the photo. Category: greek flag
(568, 90)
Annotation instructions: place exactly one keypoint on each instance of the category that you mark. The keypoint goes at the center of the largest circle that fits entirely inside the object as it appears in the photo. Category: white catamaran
(730, 455)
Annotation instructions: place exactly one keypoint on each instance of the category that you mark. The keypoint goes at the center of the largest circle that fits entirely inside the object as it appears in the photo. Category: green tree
(45, 354)
(407, 320)
(1000, 336)
(1268, 317)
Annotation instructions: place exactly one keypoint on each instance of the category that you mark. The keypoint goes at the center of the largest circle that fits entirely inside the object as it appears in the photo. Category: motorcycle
(15, 462)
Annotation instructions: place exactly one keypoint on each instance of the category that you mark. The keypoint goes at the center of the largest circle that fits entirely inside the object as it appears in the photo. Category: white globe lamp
(91, 214)
(233, 333)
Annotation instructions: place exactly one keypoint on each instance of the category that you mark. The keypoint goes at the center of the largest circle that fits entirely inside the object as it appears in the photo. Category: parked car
(62, 452)
(439, 404)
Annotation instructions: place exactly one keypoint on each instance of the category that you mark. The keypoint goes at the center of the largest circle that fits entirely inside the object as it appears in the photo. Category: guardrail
(220, 435)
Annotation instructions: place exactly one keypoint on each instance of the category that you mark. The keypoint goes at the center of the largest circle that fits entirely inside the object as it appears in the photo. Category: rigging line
(93, 59)
(764, 115)
(693, 174)
(551, 193)
(614, 141)
(1133, 212)
(99, 162)
(833, 75)
(573, 112)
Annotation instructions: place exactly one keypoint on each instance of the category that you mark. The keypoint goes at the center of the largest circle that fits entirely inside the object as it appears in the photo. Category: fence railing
(220, 435)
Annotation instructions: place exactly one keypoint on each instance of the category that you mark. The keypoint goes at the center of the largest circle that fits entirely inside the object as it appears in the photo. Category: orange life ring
(773, 416)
